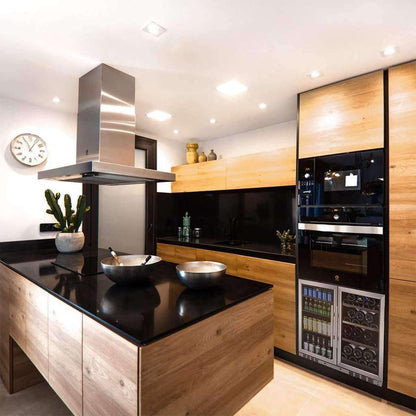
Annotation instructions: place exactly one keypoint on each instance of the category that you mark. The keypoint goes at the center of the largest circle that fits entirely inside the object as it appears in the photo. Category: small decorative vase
(69, 242)
(212, 155)
(202, 157)
(191, 154)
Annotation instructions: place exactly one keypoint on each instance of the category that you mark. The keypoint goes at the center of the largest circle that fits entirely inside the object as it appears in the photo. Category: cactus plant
(71, 221)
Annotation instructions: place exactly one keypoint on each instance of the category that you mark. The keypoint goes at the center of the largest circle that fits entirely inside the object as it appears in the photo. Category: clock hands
(31, 147)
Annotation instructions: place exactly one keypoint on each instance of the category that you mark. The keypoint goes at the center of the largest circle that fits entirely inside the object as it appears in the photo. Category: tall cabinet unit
(402, 170)
(343, 117)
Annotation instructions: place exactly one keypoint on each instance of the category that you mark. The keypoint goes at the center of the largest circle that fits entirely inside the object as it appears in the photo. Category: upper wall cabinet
(343, 117)
(258, 170)
(402, 169)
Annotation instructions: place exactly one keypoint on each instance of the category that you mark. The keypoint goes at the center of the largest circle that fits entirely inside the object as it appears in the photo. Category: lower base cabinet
(401, 372)
(280, 274)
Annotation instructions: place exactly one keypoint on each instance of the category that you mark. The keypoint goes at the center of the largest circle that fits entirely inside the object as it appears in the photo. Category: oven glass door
(347, 259)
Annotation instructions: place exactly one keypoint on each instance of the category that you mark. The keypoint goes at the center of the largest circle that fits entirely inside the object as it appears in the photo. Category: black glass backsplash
(244, 214)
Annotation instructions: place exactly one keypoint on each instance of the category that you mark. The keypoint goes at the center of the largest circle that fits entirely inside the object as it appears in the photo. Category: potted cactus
(69, 239)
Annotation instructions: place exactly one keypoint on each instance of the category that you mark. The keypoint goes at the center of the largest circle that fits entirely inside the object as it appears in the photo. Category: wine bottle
(369, 355)
(359, 301)
(305, 304)
(323, 348)
(310, 324)
(360, 316)
(305, 323)
(320, 327)
(329, 351)
(347, 332)
(358, 352)
(347, 349)
(306, 342)
(351, 313)
(314, 325)
(312, 344)
(357, 334)
(370, 317)
(350, 298)
(318, 346)
(368, 337)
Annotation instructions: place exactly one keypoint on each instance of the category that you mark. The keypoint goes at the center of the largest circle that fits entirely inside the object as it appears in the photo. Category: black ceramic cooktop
(158, 307)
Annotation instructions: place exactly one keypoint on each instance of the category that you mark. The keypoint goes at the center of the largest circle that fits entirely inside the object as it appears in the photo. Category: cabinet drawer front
(176, 254)
(229, 259)
(343, 117)
(401, 364)
(65, 353)
(18, 309)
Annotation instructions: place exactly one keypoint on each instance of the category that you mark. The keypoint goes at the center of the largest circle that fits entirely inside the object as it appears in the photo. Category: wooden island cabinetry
(343, 117)
(401, 375)
(280, 274)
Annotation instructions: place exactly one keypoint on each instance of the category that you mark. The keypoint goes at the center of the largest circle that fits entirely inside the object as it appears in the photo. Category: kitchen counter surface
(143, 314)
(262, 250)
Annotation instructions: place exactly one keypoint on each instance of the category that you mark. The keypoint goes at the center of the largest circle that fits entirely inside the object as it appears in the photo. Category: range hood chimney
(105, 135)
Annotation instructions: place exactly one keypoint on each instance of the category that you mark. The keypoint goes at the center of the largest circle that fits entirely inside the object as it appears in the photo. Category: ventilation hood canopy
(105, 133)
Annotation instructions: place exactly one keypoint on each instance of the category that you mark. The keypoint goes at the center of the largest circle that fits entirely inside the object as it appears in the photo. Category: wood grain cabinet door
(37, 346)
(343, 117)
(17, 309)
(65, 353)
(110, 369)
(229, 259)
(402, 163)
(4, 326)
(401, 362)
(282, 276)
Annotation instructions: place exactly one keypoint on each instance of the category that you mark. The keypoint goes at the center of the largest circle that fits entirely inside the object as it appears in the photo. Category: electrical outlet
(47, 227)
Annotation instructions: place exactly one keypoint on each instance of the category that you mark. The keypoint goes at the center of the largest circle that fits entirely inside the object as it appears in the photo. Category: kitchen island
(154, 349)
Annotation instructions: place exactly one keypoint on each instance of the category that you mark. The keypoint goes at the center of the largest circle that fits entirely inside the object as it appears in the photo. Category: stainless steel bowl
(200, 274)
(130, 271)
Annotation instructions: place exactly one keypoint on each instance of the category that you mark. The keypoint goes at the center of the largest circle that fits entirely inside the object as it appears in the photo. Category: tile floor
(293, 392)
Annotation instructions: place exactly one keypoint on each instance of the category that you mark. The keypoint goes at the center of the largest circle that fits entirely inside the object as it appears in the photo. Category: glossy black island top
(143, 313)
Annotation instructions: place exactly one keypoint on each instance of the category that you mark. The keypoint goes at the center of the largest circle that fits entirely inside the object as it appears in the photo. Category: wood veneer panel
(65, 353)
(282, 276)
(207, 176)
(402, 164)
(259, 170)
(176, 254)
(229, 259)
(343, 117)
(110, 372)
(4, 326)
(401, 374)
(212, 367)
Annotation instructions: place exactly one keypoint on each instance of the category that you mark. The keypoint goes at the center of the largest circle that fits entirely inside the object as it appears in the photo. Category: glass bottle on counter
(186, 225)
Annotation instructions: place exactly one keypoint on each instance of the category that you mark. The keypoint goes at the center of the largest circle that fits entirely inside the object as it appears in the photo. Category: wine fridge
(342, 328)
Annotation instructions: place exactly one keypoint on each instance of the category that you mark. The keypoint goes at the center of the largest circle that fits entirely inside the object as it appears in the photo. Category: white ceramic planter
(69, 242)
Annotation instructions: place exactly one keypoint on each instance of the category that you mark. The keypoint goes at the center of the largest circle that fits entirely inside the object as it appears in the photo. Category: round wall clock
(29, 149)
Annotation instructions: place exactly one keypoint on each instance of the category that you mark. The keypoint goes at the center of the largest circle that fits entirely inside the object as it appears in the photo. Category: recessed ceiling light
(212, 120)
(175, 131)
(154, 29)
(232, 87)
(159, 115)
(315, 74)
(56, 100)
(262, 106)
(390, 50)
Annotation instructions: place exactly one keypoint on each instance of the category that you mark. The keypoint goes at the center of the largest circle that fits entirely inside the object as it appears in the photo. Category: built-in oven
(342, 254)
(347, 179)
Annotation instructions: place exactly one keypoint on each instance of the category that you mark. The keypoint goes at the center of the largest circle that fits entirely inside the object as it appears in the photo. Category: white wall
(22, 201)
(272, 137)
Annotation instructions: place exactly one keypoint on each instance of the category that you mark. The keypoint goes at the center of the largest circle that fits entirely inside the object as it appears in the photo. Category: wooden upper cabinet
(401, 376)
(65, 353)
(259, 170)
(343, 117)
(402, 169)
(208, 176)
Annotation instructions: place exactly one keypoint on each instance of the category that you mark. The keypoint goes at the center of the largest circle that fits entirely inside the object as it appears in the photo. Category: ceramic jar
(191, 154)
(69, 242)
(202, 157)
(212, 155)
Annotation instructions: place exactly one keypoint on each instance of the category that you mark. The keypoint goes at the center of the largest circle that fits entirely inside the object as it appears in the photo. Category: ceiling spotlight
(212, 120)
(175, 131)
(56, 100)
(154, 29)
(315, 74)
(390, 50)
(262, 106)
(159, 115)
(232, 87)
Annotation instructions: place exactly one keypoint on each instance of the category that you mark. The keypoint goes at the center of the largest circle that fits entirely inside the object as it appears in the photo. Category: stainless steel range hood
(105, 136)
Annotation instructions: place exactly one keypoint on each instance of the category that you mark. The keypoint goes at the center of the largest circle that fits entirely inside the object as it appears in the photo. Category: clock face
(29, 149)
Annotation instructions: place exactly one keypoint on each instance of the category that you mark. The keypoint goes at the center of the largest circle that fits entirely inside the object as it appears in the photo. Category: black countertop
(262, 250)
(143, 314)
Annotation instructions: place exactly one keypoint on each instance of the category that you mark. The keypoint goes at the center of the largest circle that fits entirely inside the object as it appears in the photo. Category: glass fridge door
(317, 322)
(361, 333)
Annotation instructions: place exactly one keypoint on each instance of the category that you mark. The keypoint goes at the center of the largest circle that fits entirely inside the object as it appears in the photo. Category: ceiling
(270, 46)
